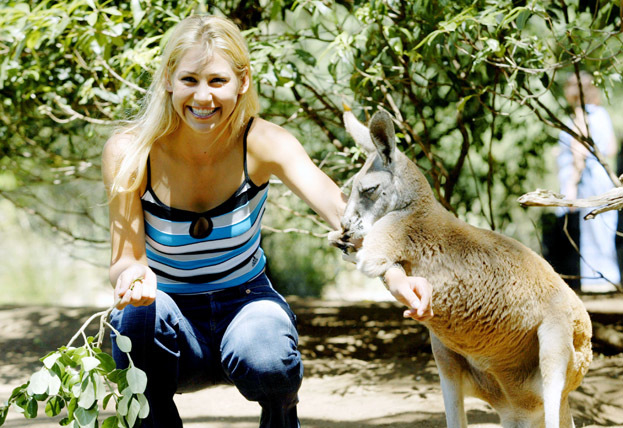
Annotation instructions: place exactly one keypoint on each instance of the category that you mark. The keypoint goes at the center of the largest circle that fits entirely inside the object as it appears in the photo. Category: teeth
(203, 112)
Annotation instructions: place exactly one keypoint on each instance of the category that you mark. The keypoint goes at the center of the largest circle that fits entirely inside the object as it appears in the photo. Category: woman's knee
(259, 350)
(144, 326)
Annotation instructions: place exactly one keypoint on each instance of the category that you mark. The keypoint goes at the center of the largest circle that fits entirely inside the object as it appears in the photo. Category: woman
(187, 182)
(582, 176)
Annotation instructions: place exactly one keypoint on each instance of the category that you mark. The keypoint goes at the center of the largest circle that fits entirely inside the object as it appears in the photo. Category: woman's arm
(281, 154)
(128, 265)
(277, 152)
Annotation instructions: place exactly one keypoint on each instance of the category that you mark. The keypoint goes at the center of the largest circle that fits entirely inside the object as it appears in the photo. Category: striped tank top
(194, 252)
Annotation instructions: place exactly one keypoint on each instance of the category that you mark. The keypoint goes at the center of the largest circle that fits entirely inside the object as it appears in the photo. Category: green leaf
(124, 343)
(137, 380)
(54, 406)
(92, 19)
(50, 359)
(461, 105)
(144, 406)
(307, 57)
(137, 12)
(107, 399)
(31, 409)
(111, 422)
(89, 363)
(54, 385)
(4, 410)
(87, 396)
(522, 19)
(122, 404)
(39, 382)
(71, 407)
(133, 411)
(107, 362)
(112, 11)
(85, 417)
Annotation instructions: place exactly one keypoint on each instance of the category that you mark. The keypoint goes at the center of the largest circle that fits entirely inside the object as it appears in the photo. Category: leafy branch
(84, 379)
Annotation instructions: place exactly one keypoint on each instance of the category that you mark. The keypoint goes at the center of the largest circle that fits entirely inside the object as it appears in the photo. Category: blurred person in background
(581, 176)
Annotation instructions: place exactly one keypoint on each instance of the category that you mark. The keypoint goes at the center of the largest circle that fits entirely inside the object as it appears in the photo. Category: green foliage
(467, 82)
(474, 86)
(84, 380)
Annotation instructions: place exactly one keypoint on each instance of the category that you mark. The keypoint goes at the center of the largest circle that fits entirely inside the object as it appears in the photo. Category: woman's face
(205, 93)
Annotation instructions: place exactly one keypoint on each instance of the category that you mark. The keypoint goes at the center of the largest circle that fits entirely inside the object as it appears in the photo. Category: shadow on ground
(351, 349)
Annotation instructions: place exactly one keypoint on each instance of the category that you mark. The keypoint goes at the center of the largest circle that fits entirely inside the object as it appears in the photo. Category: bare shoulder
(267, 139)
(113, 153)
(271, 150)
(116, 146)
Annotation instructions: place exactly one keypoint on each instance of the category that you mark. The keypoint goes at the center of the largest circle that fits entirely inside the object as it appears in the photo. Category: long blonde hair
(157, 118)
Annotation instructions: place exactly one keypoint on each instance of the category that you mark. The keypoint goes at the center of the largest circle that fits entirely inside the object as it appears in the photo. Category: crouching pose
(187, 181)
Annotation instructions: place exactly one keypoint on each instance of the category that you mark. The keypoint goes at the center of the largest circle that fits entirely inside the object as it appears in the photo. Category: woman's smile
(204, 93)
(202, 112)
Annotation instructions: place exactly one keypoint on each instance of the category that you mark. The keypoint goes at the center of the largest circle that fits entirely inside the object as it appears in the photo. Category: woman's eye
(218, 81)
(189, 79)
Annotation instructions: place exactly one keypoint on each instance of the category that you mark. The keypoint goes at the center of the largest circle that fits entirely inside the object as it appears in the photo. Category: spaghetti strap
(244, 148)
(148, 186)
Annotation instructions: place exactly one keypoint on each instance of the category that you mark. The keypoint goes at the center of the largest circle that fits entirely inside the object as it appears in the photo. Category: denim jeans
(244, 335)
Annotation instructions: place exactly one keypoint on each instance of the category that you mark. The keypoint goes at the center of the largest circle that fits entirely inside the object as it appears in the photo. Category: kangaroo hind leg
(555, 355)
(451, 373)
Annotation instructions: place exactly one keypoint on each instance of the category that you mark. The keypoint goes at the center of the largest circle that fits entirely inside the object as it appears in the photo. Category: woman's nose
(203, 92)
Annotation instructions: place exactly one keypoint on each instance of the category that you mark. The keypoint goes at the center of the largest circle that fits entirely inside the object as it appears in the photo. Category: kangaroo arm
(379, 250)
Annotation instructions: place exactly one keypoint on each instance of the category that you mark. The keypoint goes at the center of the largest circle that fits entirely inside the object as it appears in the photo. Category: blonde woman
(187, 182)
(582, 176)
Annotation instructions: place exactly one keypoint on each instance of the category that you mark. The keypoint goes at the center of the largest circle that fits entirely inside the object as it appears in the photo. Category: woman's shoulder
(267, 136)
(119, 140)
(262, 128)
(116, 146)
(114, 151)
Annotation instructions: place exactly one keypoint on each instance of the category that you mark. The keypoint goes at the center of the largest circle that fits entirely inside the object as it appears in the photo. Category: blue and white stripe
(230, 255)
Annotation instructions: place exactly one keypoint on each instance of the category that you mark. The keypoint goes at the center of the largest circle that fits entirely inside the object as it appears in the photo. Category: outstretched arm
(277, 152)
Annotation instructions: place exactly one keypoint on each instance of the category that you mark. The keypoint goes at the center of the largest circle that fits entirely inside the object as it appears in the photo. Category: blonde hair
(589, 91)
(157, 117)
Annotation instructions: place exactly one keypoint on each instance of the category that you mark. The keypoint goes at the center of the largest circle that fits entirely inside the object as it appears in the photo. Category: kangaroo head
(388, 181)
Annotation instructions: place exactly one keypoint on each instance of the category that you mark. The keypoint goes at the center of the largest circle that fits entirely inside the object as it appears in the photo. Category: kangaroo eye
(367, 191)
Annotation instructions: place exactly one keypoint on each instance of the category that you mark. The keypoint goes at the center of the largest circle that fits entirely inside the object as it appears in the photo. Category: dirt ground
(364, 367)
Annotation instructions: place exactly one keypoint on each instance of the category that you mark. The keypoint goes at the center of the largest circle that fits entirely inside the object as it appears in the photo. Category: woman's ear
(244, 82)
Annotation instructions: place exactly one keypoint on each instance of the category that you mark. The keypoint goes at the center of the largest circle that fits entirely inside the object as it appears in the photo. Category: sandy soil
(365, 367)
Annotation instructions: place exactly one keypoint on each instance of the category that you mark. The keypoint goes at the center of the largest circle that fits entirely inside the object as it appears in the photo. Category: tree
(474, 87)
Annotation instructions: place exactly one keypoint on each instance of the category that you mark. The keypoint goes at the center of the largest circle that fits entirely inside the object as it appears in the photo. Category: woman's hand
(135, 286)
(414, 292)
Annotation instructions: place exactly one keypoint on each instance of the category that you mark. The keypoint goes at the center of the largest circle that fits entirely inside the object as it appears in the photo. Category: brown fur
(505, 323)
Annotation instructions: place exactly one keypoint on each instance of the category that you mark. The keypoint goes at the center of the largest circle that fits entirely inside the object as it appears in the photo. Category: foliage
(83, 380)
(474, 85)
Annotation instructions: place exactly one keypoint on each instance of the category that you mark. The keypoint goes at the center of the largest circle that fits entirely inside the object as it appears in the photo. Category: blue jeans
(244, 335)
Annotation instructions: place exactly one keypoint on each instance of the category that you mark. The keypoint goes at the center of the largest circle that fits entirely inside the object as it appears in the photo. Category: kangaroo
(507, 329)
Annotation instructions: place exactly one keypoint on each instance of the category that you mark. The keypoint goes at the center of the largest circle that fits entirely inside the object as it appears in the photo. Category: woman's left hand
(415, 292)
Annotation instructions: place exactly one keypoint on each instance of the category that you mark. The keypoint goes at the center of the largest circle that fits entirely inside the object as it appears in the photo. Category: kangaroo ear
(359, 132)
(383, 136)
